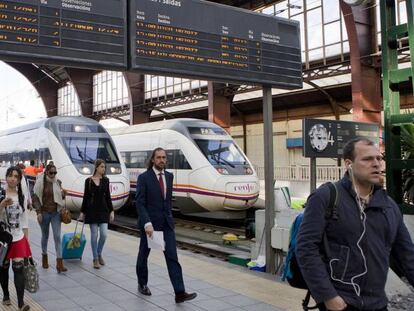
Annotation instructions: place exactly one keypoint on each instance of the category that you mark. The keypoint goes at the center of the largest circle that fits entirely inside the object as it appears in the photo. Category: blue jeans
(54, 219)
(96, 245)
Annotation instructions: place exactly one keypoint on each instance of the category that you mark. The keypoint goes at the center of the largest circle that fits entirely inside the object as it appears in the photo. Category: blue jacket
(385, 234)
(150, 204)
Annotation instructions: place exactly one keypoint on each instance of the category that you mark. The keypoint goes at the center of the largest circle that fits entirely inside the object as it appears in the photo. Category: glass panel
(221, 152)
(314, 28)
(330, 10)
(299, 18)
(310, 4)
(344, 33)
(87, 150)
(270, 10)
(281, 9)
(332, 33)
(403, 12)
(315, 54)
(346, 47)
(332, 50)
(295, 7)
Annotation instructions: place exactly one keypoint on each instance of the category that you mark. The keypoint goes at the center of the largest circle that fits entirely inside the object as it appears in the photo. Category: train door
(173, 150)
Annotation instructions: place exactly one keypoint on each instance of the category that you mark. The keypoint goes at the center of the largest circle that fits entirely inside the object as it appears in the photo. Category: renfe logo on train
(246, 188)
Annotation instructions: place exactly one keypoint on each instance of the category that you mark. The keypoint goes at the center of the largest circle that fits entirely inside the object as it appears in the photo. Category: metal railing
(302, 173)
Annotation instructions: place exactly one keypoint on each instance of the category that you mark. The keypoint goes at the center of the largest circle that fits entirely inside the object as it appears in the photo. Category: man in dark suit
(153, 201)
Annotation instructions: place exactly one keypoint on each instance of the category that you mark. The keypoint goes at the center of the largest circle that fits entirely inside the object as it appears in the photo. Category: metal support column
(269, 177)
(312, 174)
(393, 76)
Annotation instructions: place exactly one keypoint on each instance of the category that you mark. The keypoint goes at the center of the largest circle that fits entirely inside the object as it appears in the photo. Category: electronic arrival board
(202, 39)
(75, 33)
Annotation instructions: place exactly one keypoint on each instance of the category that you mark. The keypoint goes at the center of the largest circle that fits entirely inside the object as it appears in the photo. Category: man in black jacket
(153, 201)
(369, 228)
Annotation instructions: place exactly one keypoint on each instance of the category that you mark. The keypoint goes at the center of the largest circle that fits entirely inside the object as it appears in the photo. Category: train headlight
(115, 170)
(85, 170)
(222, 170)
(248, 171)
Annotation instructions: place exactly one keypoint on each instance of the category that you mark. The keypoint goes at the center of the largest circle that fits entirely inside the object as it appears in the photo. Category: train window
(136, 159)
(207, 131)
(221, 152)
(81, 128)
(139, 159)
(181, 161)
(87, 150)
(176, 160)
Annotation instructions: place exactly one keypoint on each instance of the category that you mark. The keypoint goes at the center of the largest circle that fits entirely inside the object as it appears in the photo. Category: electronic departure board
(75, 33)
(202, 39)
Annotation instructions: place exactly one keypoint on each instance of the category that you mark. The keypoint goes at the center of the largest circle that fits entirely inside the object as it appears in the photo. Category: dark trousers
(174, 268)
(322, 307)
(18, 281)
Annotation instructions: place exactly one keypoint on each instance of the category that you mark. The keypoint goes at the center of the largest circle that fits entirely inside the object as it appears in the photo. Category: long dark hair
(20, 194)
(96, 164)
(47, 169)
(150, 162)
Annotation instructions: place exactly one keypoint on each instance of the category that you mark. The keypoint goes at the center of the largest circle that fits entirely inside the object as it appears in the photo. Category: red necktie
(161, 185)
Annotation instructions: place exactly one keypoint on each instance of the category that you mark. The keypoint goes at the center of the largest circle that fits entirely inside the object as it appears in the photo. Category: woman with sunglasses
(13, 212)
(48, 201)
(97, 210)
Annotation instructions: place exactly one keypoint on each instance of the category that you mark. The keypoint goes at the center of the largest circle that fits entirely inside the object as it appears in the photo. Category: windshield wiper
(83, 158)
(216, 157)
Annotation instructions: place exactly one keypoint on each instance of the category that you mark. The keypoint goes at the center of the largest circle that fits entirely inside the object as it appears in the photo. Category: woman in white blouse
(13, 212)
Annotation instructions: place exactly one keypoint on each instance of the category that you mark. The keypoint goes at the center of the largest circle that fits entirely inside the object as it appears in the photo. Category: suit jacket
(150, 203)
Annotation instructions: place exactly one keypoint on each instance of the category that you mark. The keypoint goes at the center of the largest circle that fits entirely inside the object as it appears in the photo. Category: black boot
(19, 281)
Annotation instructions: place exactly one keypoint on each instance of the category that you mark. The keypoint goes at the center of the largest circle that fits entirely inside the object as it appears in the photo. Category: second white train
(212, 176)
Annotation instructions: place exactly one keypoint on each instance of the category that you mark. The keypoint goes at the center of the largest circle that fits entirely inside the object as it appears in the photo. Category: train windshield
(221, 152)
(87, 150)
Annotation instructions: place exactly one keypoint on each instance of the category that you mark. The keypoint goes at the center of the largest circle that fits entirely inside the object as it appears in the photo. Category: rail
(302, 173)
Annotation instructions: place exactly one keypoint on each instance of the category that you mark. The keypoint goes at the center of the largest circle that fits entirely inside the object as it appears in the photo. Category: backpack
(291, 271)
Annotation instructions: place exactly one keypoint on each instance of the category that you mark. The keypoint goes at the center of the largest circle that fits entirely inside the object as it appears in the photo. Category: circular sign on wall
(318, 136)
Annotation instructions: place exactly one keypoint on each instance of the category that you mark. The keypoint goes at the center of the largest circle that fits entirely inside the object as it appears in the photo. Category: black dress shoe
(143, 289)
(184, 297)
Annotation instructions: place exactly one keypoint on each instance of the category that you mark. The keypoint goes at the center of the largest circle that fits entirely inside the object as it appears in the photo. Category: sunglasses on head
(52, 173)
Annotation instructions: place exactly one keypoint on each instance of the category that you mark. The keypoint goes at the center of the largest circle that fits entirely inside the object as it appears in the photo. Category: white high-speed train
(212, 176)
(73, 144)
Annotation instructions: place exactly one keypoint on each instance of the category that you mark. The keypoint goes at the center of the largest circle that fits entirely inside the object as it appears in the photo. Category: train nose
(241, 195)
(119, 194)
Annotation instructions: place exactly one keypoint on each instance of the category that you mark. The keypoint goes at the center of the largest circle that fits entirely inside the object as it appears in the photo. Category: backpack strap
(331, 210)
(305, 302)
(330, 213)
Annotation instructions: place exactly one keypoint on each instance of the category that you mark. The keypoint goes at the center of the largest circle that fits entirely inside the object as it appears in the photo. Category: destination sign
(201, 39)
(75, 33)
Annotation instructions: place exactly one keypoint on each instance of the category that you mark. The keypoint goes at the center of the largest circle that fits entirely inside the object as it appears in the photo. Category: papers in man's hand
(156, 241)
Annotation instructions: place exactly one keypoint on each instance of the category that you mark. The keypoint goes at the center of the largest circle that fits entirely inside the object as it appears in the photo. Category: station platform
(219, 285)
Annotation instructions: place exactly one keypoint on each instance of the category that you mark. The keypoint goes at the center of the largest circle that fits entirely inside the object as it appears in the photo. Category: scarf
(57, 190)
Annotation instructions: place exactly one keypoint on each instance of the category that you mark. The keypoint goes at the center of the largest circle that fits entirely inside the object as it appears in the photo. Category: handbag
(5, 241)
(31, 276)
(65, 215)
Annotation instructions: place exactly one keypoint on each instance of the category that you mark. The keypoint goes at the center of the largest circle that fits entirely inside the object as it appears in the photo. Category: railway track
(127, 225)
